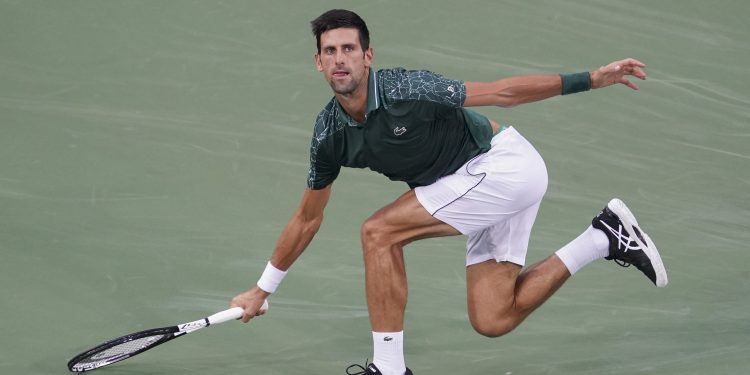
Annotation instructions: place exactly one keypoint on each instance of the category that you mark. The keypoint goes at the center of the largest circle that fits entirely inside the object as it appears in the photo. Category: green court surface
(152, 151)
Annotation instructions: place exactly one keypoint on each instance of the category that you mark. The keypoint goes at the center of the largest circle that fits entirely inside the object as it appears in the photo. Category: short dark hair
(338, 18)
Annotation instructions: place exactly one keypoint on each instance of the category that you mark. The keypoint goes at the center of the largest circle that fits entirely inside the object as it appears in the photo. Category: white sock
(591, 245)
(389, 352)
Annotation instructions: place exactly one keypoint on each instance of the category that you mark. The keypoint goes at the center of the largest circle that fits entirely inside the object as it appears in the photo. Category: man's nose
(339, 57)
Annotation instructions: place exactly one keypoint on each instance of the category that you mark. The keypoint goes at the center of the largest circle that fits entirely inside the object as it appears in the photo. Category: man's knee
(493, 327)
(375, 234)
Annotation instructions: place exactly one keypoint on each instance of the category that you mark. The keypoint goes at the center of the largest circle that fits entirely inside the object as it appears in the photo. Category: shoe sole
(628, 220)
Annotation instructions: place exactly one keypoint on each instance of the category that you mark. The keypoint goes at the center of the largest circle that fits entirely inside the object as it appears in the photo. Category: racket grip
(226, 315)
(231, 314)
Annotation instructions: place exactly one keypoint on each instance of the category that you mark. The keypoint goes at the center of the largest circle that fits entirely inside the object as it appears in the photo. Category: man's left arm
(512, 91)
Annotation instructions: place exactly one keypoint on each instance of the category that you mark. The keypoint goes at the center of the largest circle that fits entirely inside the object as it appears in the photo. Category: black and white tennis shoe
(628, 243)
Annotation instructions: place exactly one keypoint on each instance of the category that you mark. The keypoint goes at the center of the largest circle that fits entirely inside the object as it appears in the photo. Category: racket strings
(121, 350)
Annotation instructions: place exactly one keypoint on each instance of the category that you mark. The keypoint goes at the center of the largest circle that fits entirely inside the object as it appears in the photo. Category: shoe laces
(356, 367)
(622, 263)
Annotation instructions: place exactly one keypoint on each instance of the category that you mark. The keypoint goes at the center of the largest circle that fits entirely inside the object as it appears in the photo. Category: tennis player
(467, 175)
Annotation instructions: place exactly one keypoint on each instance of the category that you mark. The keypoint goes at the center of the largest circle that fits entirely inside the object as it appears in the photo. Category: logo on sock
(387, 338)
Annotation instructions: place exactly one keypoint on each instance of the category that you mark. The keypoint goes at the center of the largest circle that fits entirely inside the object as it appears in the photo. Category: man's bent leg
(500, 297)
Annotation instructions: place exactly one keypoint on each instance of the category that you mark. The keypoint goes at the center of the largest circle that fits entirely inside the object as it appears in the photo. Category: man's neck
(355, 104)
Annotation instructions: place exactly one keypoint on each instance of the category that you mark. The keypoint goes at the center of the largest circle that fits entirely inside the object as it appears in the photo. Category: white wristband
(271, 278)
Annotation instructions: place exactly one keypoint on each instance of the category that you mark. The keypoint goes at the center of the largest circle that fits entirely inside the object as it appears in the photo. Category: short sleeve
(402, 85)
(324, 166)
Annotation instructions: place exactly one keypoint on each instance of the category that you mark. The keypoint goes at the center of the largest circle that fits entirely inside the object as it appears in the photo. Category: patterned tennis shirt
(415, 130)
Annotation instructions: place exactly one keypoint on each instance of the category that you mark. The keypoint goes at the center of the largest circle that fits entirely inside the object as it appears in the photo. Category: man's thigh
(490, 287)
(506, 241)
(493, 199)
(405, 220)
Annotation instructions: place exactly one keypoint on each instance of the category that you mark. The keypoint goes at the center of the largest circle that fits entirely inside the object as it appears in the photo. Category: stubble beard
(345, 89)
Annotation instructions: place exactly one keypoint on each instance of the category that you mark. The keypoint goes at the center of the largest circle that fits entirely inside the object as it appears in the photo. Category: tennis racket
(130, 345)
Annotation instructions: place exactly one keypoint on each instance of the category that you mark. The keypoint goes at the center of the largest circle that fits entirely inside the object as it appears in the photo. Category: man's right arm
(297, 234)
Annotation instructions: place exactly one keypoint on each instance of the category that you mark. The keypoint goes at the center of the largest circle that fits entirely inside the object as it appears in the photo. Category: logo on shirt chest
(399, 130)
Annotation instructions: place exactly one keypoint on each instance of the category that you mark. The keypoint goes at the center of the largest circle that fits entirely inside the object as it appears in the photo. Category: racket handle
(226, 315)
(231, 314)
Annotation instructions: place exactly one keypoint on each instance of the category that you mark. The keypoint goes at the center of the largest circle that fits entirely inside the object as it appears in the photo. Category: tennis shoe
(628, 243)
(369, 369)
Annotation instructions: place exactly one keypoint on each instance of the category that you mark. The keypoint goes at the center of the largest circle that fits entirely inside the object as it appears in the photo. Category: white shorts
(493, 199)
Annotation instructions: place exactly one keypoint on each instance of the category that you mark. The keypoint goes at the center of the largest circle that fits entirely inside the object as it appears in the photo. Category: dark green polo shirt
(415, 130)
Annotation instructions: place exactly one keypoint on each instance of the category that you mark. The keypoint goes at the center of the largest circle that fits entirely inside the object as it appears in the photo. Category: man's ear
(369, 56)
(318, 64)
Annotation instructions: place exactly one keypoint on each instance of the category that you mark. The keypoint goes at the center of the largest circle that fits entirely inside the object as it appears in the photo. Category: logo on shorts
(399, 130)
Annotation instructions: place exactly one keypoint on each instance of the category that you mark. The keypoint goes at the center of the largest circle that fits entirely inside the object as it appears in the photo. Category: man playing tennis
(468, 175)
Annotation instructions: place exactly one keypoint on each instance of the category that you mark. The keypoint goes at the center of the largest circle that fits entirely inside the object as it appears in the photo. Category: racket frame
(169, 332)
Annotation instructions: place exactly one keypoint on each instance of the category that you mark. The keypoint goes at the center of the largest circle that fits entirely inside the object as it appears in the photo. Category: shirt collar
(373, 101)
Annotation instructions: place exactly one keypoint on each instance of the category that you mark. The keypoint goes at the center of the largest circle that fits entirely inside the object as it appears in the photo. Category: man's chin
(343, 89)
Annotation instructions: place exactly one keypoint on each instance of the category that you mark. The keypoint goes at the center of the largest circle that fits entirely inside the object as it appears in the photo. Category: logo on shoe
(623, 239)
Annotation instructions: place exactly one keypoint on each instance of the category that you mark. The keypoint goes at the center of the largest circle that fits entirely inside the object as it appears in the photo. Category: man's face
(342, 60)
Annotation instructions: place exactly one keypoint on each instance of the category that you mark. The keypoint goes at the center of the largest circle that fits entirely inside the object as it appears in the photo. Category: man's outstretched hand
(616, 72)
